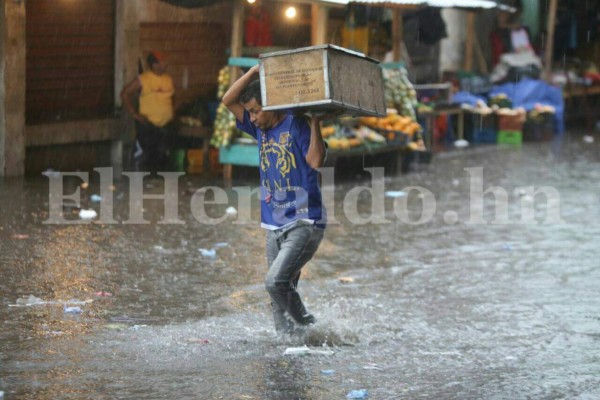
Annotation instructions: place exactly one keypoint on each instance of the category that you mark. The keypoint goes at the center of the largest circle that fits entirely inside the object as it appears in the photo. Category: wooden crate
(323, 78)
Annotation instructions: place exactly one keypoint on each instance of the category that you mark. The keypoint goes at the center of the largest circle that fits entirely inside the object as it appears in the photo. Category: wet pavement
(435, 310)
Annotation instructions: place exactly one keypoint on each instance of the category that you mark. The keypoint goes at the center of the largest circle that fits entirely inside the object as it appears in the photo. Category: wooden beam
(483, 68)
(550, 40)
(319, 21)
(397, 33)
(237, 36)
(73, 132)
(12, 88)
(468, 62)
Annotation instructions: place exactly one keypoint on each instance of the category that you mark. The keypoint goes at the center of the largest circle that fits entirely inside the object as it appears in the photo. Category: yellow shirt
(156, 99)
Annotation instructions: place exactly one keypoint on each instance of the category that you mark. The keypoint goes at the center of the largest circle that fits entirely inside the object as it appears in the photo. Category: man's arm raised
(232, 96)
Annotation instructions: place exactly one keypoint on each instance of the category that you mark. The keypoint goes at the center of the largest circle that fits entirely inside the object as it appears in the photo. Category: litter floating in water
(398, 193)
(103, 294)
(30, 301)
(88, 214)
(210, 253)
(461, 143)
(85, 185)
(96, 198)
(36, 301)
(346, 279)
(20, 236)
(72, 310)
(116, 327)
(221, 245)
(297, 351)
(588, 139)
(137, 327)
(328, 371)
(231, 211)
(357, 394)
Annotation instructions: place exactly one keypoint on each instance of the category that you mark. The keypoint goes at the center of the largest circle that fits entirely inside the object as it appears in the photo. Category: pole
(550, 40)
(237, 36)
(397, 33)
(319, 21)
(468, 64)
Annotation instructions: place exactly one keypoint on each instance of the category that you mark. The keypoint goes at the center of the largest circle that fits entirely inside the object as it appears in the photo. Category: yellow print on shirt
(285, 159)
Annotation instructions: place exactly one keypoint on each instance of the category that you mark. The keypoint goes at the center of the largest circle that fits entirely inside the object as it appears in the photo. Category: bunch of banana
(223, 80)
(399, 92)
(224, 130)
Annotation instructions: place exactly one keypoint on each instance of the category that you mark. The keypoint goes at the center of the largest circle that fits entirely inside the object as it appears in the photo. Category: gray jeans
(287, 252)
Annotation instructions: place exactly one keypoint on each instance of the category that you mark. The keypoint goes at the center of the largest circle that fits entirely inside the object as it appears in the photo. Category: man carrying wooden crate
(290, 149)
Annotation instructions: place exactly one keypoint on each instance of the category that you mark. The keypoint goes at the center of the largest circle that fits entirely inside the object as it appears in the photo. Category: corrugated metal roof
(485, 4)
(463, 3)
(382, 3)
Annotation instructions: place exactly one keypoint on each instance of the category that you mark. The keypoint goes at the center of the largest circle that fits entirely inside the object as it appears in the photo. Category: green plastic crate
(510, 137)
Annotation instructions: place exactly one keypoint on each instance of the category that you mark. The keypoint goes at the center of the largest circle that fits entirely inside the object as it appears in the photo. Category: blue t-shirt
(289, 186)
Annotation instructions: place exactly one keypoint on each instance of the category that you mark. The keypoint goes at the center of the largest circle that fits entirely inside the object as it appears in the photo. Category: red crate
(509, 122)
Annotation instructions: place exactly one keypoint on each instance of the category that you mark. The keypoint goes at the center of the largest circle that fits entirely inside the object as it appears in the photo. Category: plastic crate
(480, 128)
(538, 127)
(485, 136)
(195, 161)
(511, 122)
(510, 137)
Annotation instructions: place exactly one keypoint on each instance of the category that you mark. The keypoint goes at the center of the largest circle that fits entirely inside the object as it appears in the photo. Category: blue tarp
(525, 93)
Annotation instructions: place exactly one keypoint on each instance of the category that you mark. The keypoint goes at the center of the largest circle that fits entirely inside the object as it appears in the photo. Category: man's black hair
(252, 91)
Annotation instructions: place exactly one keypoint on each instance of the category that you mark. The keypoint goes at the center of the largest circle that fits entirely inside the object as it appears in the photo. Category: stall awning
(382, 3)
(191, 3)
(485, 4)
(471, 4)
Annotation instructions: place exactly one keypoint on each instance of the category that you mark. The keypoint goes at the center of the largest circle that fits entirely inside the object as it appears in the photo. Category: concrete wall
(12, 88)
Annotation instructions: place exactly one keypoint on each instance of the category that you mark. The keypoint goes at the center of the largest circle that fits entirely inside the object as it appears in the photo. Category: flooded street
(436, 310)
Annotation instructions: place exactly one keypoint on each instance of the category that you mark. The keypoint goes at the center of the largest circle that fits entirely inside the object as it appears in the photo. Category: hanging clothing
(257, 30)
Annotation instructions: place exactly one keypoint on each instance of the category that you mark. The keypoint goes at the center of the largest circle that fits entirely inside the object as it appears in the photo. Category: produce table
(429, 116)
(247, 155)
(237, 154)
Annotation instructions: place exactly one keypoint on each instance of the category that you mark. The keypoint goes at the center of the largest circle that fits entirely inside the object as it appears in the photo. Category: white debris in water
(88, 214)
(461, 143)
(210, 253)
(296, 351)
(231, 211)
(392, 193)
(30, 301)
(588, 139)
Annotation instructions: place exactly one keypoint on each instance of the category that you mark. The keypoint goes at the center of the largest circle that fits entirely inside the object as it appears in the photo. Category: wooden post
(468, 62)
(319, 21)
(483, 68)
(237, 36)
(550, 40)
(127, 44)
(397, 33)
(12, 88)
